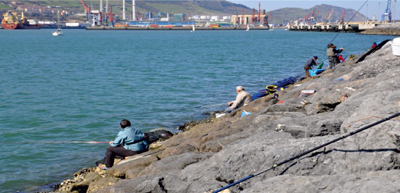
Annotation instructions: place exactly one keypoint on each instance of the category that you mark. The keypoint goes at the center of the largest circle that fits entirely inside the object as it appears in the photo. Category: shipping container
(121, 25)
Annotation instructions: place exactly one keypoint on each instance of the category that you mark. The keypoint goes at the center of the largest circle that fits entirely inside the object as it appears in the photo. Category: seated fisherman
(128, 142)
(243, 98)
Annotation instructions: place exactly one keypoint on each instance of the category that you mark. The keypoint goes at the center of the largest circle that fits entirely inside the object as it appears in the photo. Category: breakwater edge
(221, 151)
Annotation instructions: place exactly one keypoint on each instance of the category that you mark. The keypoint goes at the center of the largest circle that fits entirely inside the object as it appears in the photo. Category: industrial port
(103, 18)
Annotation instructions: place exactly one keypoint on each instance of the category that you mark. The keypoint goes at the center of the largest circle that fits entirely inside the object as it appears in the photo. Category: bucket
(396, 46)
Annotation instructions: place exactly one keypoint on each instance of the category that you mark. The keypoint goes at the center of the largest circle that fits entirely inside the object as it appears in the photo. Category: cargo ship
(11, 21)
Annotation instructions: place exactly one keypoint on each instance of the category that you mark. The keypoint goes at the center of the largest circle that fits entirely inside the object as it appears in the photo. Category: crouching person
(128, 142)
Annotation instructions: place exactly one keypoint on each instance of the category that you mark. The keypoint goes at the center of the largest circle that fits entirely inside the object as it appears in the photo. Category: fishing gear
(213, 105)
(309, 151)
(44, 142)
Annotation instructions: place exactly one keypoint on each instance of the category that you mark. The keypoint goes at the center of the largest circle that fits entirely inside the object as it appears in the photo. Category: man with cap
(308, 66)
(243, 98)
(332, 54)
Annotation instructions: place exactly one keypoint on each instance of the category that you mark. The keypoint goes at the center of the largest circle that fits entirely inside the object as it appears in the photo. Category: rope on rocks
(309, 151)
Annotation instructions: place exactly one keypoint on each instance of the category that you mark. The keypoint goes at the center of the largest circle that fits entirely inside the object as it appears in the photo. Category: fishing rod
(347, 24)
(44, 142)
(213, 105)
(309, 151)
(349, 20)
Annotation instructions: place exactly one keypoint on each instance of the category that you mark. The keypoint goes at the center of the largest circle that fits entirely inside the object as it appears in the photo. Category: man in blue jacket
(128, 142)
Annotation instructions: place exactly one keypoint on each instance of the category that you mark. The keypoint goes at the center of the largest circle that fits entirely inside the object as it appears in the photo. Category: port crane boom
(388, 12)
(87, 10)
(342, 19)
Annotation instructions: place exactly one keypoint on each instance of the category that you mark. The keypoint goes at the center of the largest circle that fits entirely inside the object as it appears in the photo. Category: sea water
(79, 86)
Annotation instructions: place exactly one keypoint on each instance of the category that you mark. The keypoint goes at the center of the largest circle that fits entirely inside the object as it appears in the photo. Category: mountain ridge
(190, 7)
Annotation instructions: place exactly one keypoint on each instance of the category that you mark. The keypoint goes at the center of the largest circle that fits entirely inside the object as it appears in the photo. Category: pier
(336, 27)
(173, 28)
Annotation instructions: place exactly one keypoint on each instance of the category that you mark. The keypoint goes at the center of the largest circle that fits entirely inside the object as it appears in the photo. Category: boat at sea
(11, 21)
(58, 32)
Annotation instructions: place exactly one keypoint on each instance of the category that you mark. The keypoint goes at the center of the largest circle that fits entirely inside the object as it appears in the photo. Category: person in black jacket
(332, 54)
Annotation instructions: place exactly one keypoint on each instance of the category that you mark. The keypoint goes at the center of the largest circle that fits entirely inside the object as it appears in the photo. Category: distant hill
(289, 14)
(190, 7)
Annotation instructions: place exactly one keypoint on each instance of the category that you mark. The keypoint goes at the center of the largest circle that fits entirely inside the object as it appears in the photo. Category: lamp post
(379, 7)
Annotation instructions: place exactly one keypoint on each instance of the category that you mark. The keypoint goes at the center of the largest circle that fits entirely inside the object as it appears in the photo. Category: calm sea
(77, 87)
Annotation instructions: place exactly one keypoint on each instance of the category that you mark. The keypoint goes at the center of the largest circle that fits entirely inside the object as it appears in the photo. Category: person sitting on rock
(243, 98)
(373, 45)
(128, 142)
(341, 59)
(309, 64)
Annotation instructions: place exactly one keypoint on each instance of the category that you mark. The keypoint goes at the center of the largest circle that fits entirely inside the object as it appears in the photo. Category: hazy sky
(371, 8)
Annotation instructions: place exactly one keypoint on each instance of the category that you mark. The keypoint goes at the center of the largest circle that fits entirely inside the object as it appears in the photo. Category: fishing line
(347, 24)
(349, 20)
(213, 105)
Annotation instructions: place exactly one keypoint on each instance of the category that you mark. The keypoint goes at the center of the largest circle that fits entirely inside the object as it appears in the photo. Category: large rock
(214, 153)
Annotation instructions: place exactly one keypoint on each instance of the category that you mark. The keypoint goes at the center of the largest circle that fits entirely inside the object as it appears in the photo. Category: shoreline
(217, 152)
(189, 28)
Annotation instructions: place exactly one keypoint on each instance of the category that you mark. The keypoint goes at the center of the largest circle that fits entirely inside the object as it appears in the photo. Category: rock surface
(217, 152)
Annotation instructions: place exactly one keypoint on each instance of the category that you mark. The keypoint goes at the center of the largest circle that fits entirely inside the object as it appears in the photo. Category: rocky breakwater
(392, 29)
(215, 153)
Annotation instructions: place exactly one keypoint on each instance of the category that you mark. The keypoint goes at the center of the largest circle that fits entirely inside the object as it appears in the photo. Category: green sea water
(77, 87)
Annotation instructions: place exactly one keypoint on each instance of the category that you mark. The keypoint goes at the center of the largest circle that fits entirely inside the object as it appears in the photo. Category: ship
(12, 21)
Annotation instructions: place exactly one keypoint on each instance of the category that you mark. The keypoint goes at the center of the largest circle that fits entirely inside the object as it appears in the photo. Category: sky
(371, 8)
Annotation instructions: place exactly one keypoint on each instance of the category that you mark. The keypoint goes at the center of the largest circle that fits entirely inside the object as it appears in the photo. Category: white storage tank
(204, 17)
(215, 18)
(396, 46)
(72, 24)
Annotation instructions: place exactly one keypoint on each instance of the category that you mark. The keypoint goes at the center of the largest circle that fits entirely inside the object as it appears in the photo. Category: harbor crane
(388, 12)
(87, 10)
(110, 16)
(328, 18)
(266, 18)
(253, 18)
(259, 13)
(242, 16)
(342, 19)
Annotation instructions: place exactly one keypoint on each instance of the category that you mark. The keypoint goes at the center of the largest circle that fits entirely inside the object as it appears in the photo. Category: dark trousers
(307, 72)
(111, 152)
(333, 60)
